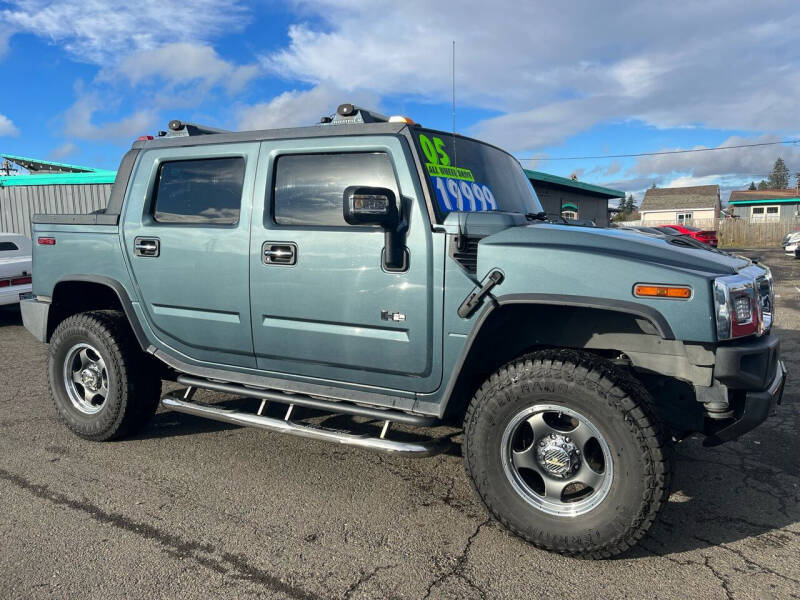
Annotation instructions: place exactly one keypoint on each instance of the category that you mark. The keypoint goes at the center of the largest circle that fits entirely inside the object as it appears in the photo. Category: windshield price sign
(456, 188)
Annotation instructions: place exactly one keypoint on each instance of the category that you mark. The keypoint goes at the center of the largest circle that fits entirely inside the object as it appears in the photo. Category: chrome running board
(235, 417)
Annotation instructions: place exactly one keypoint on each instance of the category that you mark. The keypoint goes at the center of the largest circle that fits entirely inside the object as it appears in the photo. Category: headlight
(744, 303)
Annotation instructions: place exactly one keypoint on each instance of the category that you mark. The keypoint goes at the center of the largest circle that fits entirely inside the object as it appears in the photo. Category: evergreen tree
(652, 187)
(779, 177)
(762, 185)
(752, 185)
(630, 205)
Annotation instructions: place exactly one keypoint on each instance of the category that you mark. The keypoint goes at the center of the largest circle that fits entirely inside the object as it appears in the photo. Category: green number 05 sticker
(434, 150)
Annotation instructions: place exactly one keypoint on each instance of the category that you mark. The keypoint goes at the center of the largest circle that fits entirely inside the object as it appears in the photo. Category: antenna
(454, 88)
(461, 240)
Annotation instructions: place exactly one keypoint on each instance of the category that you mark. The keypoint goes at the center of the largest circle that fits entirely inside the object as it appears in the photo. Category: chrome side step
(235, 417)
(333, 406)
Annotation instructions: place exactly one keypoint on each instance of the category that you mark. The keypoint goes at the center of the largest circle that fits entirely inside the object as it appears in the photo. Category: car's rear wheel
(103, 386)
(566, 450)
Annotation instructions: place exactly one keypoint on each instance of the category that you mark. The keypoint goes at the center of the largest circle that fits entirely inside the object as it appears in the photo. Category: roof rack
(178, 128)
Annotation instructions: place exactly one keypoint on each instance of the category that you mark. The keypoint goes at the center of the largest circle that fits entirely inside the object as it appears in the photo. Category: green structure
(48, 187)
(572, 199)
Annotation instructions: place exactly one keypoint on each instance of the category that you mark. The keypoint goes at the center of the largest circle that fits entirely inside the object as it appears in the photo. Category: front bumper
(749, 365)
(755, 410)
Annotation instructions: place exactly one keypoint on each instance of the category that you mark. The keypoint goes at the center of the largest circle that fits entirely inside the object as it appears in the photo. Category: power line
(661, 153)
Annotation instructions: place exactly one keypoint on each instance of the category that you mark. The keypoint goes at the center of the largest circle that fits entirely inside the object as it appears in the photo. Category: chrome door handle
(147, 247)
(279, 253)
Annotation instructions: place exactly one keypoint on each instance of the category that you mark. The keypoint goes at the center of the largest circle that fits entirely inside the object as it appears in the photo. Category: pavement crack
(203, 554)
(458, 568)
(364, 578)
(748, 561)
(723, 580)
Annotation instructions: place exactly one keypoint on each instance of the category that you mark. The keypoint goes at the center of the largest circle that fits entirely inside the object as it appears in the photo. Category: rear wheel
(103, 386)
(566, 450)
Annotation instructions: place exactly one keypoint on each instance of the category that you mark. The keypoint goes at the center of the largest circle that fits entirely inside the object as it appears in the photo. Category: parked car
(15, 268)
(672, 235)
(354, 267)
(701, 235)
(791, 244)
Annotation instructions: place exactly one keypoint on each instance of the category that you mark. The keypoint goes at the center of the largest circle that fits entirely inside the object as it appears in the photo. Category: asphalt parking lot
(194, 508)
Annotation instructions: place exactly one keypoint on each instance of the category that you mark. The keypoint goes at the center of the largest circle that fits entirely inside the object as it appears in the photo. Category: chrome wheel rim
(557, 460)
(86, 378)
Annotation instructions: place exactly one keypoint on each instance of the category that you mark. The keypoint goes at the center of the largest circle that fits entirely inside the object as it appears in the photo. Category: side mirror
(371, 206)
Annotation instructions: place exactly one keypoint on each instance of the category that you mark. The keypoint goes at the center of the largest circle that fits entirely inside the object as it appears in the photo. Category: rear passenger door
(186, 232)
(323, 305)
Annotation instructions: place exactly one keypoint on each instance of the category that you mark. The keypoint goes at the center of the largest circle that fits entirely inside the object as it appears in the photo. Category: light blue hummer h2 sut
(398, 276)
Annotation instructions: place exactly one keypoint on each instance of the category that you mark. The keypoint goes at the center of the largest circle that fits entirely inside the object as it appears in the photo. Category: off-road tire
(134, 384)
(620, 408)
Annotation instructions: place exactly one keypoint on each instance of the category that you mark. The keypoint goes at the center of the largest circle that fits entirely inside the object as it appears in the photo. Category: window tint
(309, 188)
(8, 246)
(199, 191)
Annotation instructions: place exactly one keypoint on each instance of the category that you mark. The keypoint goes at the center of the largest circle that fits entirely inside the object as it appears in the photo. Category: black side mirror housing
(378, 206)
(371, 206)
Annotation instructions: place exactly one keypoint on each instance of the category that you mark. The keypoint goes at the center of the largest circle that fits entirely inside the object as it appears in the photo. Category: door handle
(146, 247)
(279, 253)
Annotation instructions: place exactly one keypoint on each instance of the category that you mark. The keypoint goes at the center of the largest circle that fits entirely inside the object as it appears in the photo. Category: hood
(628, 244)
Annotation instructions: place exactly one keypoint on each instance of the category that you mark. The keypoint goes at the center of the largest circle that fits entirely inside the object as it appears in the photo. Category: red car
(706, 237)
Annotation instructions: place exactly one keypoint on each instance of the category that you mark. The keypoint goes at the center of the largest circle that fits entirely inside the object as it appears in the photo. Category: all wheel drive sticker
(456, 188)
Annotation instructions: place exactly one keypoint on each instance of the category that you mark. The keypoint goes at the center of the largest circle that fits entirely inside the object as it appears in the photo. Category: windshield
(471, 176)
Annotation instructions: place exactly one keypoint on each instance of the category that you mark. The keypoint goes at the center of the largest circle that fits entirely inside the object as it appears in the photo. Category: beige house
(697, 205)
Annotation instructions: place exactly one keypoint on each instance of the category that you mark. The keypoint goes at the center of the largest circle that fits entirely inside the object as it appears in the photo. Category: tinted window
(309, 188)
(8, 246)
(199, 191)
(467, 175)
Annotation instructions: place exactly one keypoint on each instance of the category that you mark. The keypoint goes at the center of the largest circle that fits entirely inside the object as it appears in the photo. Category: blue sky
(81, 79)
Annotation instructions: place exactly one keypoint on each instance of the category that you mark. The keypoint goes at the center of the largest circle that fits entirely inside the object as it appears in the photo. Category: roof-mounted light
(401, 119)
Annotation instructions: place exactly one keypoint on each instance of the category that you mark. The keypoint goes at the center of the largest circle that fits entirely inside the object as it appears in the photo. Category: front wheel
(566, 450)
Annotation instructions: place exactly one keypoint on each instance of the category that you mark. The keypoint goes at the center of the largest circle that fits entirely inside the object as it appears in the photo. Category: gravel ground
(194, 508)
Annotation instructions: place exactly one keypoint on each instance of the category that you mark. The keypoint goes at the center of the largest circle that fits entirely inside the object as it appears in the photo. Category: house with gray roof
(766, 206)
(697, 204)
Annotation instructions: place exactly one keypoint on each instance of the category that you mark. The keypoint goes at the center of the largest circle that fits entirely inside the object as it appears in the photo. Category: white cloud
(7, 127)
(64, 150)
(183, 63)
(555, 69)
(100, 31)
(296, 108)
(5, 36)
(79, 123)
(745, 163)
(690, 180)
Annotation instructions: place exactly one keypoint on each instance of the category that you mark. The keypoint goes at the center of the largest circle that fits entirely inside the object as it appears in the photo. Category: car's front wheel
(566, 450)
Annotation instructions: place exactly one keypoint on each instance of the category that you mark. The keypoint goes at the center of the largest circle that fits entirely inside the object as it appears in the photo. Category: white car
(15, 267)
(791, 243)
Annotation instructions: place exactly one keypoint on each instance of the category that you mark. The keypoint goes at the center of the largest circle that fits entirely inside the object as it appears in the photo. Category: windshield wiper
(540, 216)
